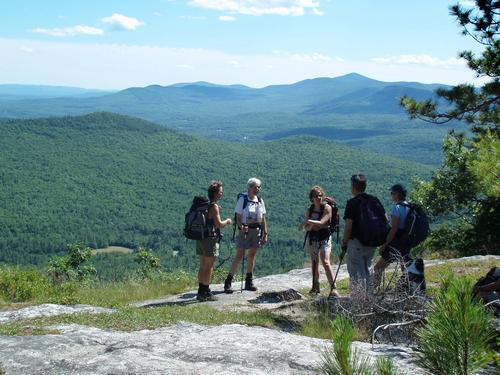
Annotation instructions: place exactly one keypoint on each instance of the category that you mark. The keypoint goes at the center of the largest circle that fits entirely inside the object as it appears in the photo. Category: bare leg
(237, 259)
(205, 272)
(251, 259)
(325, 260)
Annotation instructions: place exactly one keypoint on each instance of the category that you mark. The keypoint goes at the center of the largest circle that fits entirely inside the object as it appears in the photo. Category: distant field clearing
(113, 249)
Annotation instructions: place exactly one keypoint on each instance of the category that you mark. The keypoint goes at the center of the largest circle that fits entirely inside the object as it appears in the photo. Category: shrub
(71, 267)
(456, 339)
(19, 285)
(148, 262)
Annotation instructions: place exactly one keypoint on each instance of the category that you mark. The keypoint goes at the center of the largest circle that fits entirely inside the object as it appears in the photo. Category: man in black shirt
(359, 256)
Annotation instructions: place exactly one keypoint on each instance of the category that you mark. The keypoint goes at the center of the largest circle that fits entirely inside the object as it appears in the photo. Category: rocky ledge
(184, 348)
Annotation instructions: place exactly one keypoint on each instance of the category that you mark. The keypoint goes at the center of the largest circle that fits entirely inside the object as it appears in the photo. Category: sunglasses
(318, 196)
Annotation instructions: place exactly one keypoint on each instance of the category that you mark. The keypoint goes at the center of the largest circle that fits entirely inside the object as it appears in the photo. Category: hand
(263, 240)
(229, 221)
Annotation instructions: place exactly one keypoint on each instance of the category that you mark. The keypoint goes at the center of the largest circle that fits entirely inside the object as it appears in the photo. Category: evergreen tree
(465, 189)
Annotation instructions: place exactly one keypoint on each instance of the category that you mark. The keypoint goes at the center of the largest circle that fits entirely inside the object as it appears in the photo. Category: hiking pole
(334, 286)
(242, 270)
(228, 243)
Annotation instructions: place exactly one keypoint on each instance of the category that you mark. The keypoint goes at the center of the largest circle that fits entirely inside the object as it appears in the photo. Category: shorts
(208, 247)
(250, 241)
(315, 247)
(399, 248)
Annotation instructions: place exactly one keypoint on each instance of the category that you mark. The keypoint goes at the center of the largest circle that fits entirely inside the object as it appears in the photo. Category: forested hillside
(107, 179)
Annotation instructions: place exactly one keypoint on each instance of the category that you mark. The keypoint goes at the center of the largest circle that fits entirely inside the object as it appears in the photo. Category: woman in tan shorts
(208, 248)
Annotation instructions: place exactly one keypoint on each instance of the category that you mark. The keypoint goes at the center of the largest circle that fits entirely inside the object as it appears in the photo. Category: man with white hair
(250, 213)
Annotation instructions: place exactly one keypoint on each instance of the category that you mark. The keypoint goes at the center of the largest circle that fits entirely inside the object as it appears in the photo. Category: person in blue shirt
(396, 246)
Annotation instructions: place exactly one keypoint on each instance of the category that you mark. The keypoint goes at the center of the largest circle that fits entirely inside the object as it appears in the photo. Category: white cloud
(467, 3)
(310, 58)
(157, 14)
(121, 22)
(260, 7)
(70, 31)
(419, 60)
(120, 66)
(318, 12)
(192, 18)
(301, 57)
(184, 66)
(27, 49)
(227, 18)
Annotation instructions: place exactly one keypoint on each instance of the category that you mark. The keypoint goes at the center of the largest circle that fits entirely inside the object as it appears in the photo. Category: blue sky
(115, 44)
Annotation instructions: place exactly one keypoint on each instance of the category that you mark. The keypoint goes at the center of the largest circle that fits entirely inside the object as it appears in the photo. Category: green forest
(105, 179)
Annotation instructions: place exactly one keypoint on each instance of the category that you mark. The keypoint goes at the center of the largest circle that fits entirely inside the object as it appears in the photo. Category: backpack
(372, 225)
(196, 220)
(245, 204)
(416, 225)
(333, 224)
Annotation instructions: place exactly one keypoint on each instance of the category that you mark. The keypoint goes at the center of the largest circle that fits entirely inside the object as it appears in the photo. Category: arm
(238, 221)
(324, 220)
(347, 233)
(392, 232)
(215, 211)
(304, 225)
(264, 230)
(491, 287)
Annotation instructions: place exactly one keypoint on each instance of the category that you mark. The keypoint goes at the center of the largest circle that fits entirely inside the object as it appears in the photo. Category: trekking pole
(229, 250)
(341, 258)
(242, 270)
(305, 239)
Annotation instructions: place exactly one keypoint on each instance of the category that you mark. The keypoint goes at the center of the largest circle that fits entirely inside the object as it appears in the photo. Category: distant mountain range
(19, 92)
(353, 109)
(352, 93)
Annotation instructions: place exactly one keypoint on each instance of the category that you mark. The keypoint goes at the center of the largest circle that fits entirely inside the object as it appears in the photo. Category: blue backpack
(416, 225)
(372, 225)
(245, 204)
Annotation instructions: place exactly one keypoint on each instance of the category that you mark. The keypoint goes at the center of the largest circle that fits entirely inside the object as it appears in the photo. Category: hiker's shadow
(182, 300)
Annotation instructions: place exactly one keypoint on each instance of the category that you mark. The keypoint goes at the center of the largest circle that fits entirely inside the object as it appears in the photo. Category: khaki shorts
(208, 247)
(250, 241)
(315, 247)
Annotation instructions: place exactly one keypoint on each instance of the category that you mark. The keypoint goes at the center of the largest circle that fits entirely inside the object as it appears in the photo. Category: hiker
(208, 248)
(318, 239)
(365, 229)
(251, 221)
(397, 245)
(488, 287)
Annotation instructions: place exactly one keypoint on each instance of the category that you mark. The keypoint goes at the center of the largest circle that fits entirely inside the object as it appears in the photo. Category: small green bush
(71, 266)
(340, 359)
(455, 340)
(20, 285)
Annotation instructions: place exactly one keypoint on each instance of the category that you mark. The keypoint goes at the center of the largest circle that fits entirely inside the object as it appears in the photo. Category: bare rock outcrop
(184, 348)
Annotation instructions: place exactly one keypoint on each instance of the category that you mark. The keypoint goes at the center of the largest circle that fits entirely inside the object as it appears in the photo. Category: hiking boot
(333, 291)
(315, 288)
(249, 283)
(227, 284)
(205, 294)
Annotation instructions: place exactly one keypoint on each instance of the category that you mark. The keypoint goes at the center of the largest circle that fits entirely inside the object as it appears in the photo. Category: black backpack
(372, 225)
(196, 220)
(416, 224)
